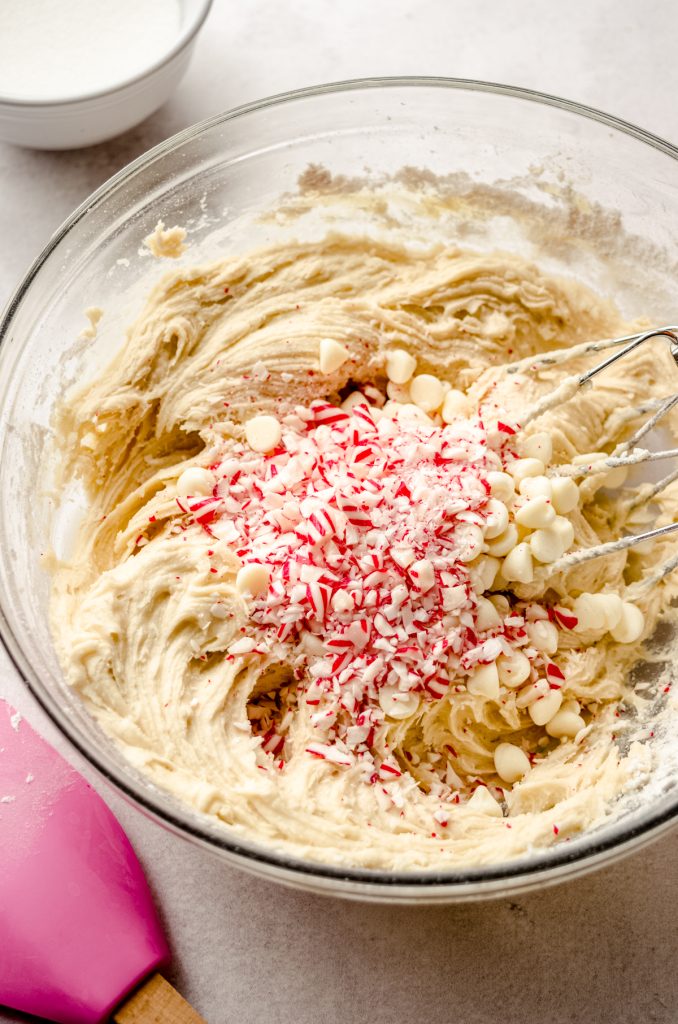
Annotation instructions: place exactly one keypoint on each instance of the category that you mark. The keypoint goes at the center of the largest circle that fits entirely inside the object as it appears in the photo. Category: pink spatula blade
(78, 929)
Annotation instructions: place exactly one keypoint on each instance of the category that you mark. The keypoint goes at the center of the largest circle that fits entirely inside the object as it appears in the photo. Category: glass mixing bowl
(581, 192)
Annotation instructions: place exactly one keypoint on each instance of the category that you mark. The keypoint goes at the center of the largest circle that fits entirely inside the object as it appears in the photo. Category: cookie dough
(177, 619)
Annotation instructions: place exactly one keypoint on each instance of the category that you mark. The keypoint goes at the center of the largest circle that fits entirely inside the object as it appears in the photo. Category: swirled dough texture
(133, 610)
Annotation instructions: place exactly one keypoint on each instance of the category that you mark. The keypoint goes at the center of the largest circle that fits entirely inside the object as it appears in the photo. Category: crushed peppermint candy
(365, 524)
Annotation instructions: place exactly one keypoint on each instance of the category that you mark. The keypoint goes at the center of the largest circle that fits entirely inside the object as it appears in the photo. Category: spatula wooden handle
(156, 1002)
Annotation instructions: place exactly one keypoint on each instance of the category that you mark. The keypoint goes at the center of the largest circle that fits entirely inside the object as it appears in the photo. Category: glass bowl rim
(555, 863)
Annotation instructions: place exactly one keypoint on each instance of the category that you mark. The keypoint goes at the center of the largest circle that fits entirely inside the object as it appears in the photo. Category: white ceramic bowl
(76, 121)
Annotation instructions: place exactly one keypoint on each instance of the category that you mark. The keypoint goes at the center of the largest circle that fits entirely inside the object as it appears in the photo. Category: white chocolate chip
(482, 572)
(522, 468)
(613, 608)
(253, 579)
(400, 366)
(613, 477)
(517, 566)
(484, 681)
(263, 433)
(543, 636)
(501, 603)
(591, 613)
(630, 626)
(544, 708)
(571, 705)
(563, 529)
(497, 518)
(532, 486)
(513, 668)
(427, 392)
(547, 545)
(487, 616)
(195, 481)
(332, 355)
(396, 703)
(616, 477)
(564, 494)
(501, 485)
(455, 406)
(481, 801)
(407, 410)
(565, 724)
(537, 446)
(511, 762)
(500, 584)
(397, 392)
(469, 540)
(505, 542)
(536, 513)
(532, 692)
(454, 597)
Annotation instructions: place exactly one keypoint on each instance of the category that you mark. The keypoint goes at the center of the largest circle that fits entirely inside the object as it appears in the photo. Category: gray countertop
(245, 950)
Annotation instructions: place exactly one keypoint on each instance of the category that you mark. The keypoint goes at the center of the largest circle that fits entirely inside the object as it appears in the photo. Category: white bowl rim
(556, 863)
(189, 31)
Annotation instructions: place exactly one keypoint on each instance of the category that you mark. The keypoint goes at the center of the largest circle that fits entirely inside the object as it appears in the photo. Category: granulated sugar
(57, 49)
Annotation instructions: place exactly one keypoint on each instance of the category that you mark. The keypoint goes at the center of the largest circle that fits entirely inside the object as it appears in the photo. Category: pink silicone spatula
(80, 939)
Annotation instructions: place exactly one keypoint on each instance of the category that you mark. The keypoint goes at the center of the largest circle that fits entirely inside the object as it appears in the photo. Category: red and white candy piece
(354, 399)
(423, 575)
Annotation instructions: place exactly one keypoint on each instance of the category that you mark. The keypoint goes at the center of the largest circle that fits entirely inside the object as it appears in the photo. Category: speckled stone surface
(601, 948)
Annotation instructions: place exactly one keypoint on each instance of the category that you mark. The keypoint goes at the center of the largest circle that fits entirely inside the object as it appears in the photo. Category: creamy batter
(211, 618)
